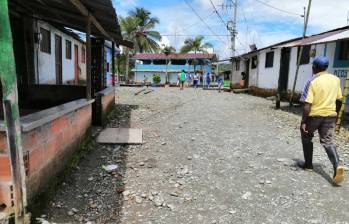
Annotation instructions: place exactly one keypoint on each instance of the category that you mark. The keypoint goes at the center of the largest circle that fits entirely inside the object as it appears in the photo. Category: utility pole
(300, 52)
(348, 18)
(231, 25)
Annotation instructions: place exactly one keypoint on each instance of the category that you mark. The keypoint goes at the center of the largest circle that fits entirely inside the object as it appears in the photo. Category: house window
(237, 65)
(83, 55)
(45, 44)
(269, 59)
(67, 49)
(343, 50)
(305, 58)
(178, 62)
(254, 62)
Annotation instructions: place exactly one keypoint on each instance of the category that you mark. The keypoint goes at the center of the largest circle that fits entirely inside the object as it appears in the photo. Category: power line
(216, 11)
(202, 20)
(190, 26)
(281, 10)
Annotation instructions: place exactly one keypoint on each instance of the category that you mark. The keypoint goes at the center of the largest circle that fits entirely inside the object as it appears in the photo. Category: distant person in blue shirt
(220, 81)
(208, 79)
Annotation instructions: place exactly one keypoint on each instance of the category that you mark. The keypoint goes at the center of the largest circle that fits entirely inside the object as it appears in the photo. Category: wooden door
(284, 69)
(247, 71)
(76, 64)
(58, 59)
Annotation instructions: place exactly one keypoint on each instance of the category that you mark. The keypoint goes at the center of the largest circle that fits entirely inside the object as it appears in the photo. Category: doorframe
(59, 76)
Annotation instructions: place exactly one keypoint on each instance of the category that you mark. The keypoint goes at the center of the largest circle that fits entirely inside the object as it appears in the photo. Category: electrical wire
(188, 27)
(202, 20)
(216, 11)
(281, 10)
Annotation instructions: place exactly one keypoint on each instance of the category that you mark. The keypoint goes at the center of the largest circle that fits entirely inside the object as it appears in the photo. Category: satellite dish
(253, 47)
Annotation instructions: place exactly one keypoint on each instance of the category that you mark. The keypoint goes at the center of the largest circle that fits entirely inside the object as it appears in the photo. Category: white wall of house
(268, 77)
(45, 62)
(236, 74)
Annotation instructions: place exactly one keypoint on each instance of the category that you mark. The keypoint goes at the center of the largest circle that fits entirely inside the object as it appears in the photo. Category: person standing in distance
(322, 100)
(182, 78)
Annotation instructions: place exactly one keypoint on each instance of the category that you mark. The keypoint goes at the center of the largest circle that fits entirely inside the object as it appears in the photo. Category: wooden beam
(88, 58)
(11, 112)
(84, 11)
(113, 62)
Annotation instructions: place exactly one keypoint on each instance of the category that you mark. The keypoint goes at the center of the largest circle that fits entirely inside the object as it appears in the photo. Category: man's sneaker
(304, 166)
(338, 175)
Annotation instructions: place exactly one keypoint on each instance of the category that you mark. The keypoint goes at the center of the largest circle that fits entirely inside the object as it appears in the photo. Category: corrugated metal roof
(145, 56)
(340, 36)
(314, 38)
(328, 36)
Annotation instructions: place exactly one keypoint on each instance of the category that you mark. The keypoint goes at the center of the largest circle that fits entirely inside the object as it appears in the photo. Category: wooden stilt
(88, 58)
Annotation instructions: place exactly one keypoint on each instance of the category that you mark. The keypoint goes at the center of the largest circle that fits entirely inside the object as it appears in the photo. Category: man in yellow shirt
(322, 100)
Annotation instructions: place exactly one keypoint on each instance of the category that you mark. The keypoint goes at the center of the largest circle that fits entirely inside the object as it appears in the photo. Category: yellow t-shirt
(323, 92)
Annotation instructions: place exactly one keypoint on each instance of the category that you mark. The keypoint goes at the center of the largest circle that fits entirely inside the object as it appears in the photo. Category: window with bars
(269, 59)
(83, 55)
(67, 49)
(45, 43)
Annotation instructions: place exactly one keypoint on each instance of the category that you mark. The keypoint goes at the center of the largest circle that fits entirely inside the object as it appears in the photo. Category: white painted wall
(236, 75)
(45, 63)
(268, 78)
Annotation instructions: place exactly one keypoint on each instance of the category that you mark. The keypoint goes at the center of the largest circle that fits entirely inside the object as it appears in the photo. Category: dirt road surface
(207, 157)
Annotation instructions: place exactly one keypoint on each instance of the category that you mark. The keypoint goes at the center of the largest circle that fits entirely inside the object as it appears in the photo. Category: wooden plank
(84, 11)
(88, 58)
(121, 136)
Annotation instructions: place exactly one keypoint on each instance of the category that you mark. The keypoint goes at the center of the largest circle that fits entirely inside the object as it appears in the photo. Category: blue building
(149, 64)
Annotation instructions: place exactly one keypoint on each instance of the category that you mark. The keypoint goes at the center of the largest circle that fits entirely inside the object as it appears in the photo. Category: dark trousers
(325, 127)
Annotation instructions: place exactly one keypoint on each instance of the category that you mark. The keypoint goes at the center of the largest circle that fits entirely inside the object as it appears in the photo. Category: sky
(256, 23)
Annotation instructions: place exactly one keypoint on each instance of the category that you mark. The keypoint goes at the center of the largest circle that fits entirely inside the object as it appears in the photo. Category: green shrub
(156, 78)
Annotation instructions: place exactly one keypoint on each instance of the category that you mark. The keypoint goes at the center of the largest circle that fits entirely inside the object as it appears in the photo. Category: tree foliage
(195, 45)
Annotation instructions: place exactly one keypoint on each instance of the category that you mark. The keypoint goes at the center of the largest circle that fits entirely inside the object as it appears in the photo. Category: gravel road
(207, 157)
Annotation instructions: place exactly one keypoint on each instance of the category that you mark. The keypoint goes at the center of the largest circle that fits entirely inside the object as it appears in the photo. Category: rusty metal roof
(314, 38)
(328, 36)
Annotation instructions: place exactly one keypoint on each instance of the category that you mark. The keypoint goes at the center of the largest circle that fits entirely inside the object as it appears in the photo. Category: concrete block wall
(47, 149)
(108, 102)
(104, 103)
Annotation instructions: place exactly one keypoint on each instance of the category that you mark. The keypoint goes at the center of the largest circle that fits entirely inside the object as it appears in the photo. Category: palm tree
(138, 27)
(146, 38)
(167, 50)
(128, 25)
(195, 45)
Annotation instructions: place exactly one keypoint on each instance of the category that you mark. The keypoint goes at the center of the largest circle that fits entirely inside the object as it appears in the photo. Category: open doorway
(284, 69)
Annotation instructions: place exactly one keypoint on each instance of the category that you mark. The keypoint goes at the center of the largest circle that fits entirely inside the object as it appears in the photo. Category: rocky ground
(207, 157)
